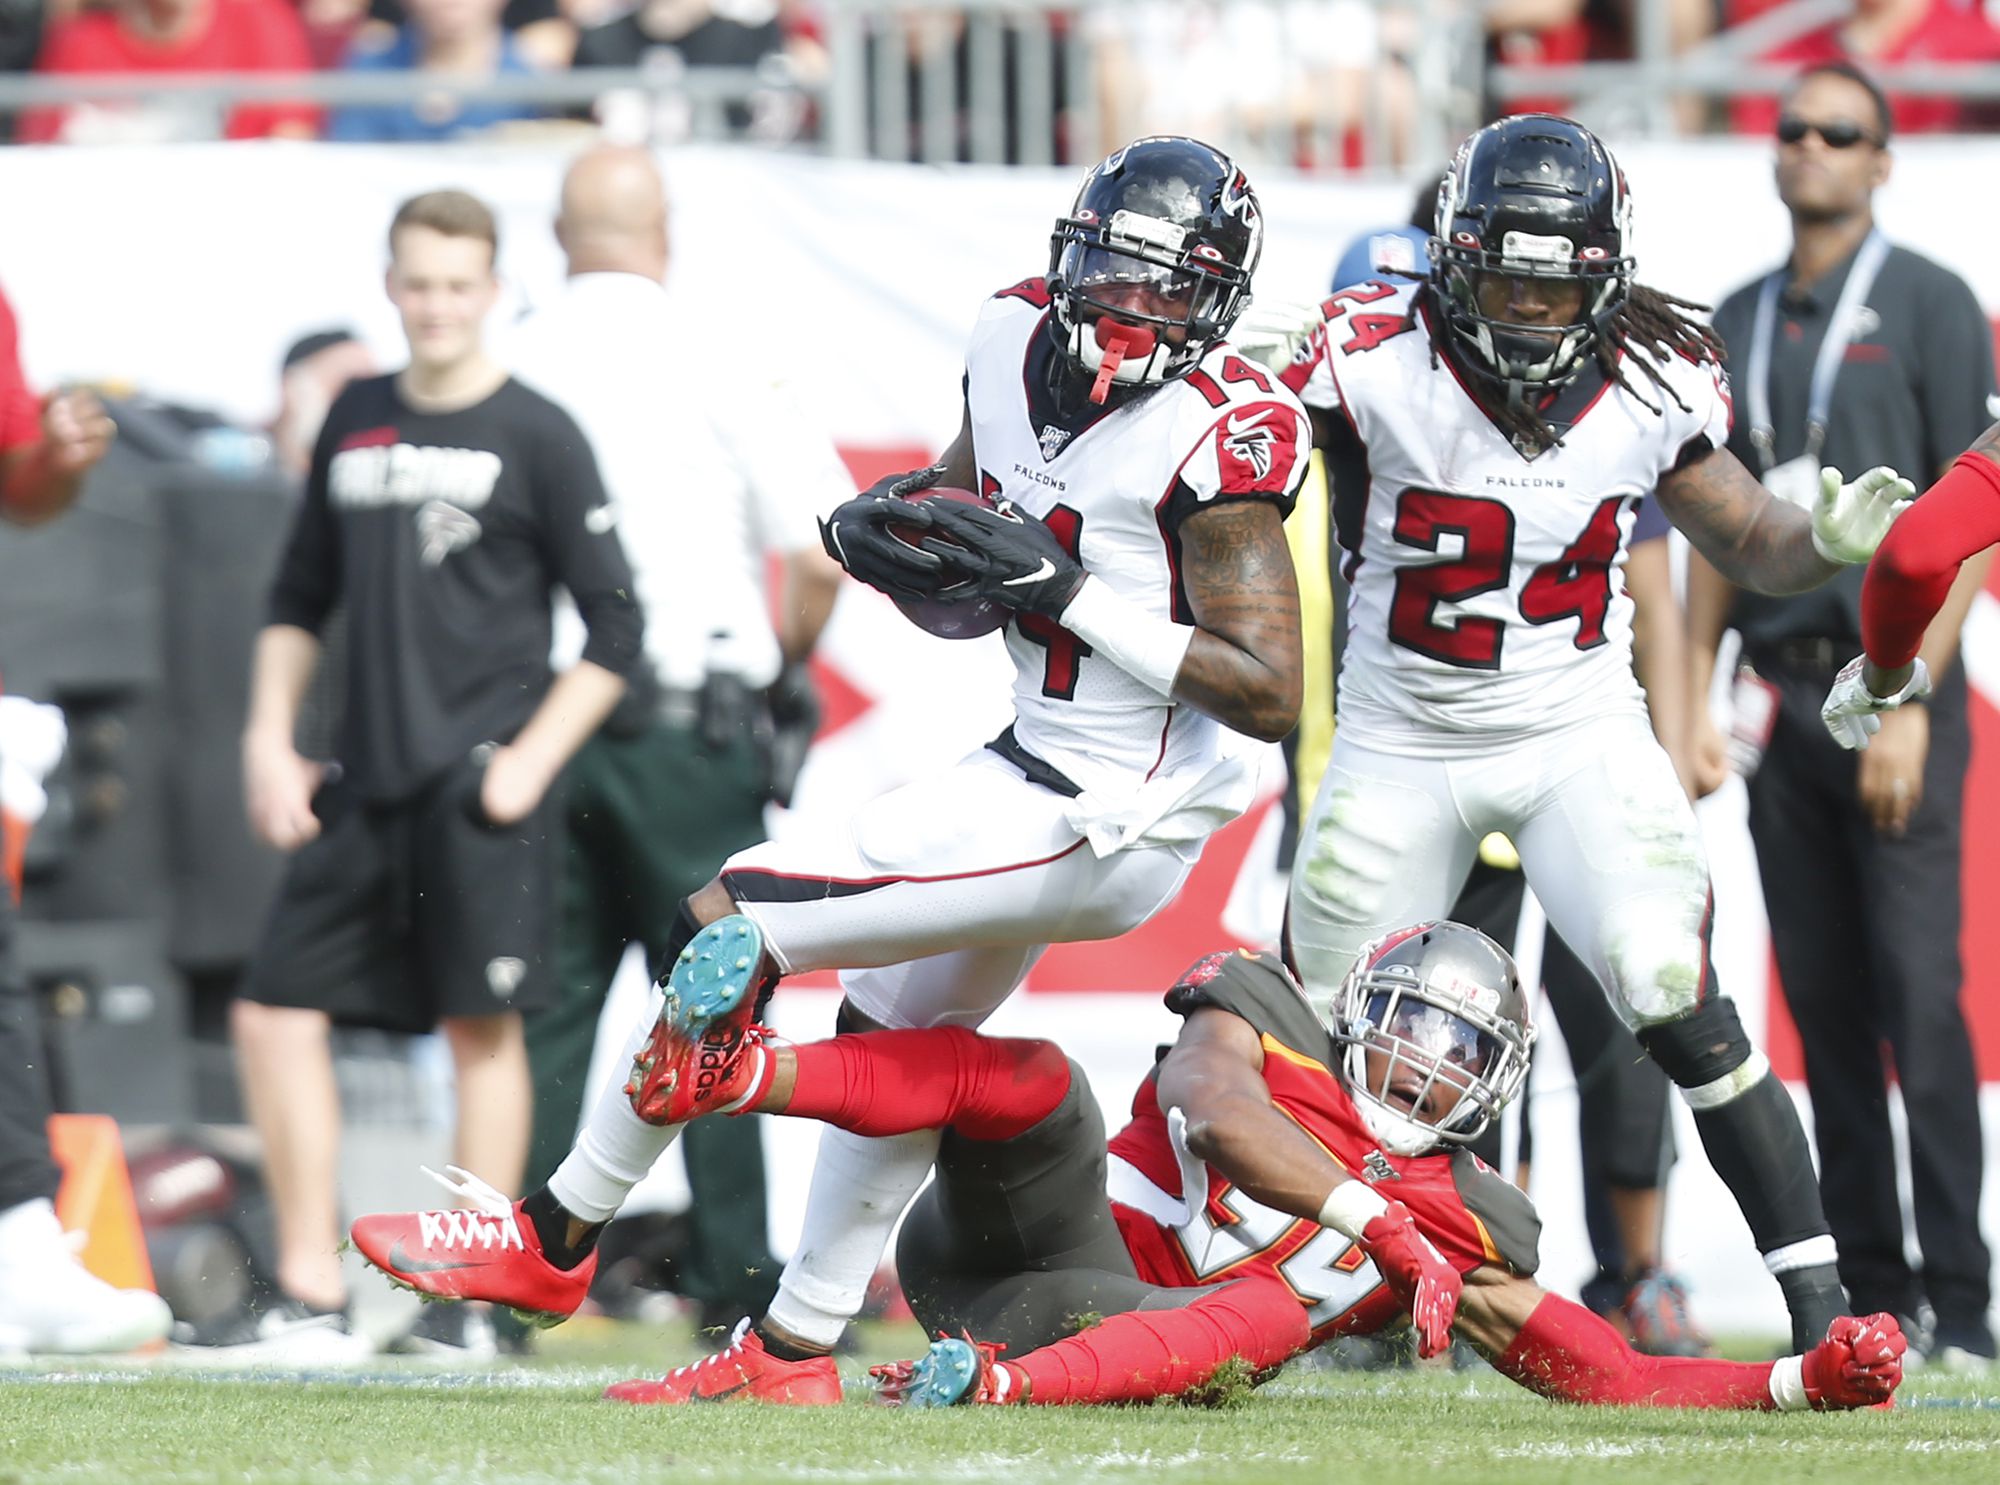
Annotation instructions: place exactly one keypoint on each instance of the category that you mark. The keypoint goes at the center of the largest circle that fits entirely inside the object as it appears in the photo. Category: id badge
(1795, 480)
(1753, 705)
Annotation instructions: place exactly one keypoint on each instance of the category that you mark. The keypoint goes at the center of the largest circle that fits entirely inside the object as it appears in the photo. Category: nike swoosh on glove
(1007, 555)
(856, 536)
(1275, 332)
(1849, 521)
(1853, 713)
(1416, 1274)
(1858, 1365)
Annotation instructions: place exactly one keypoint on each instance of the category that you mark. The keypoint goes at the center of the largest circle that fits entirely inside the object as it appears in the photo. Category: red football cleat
(486, 1252)
(742, 1372)
(705, 1056)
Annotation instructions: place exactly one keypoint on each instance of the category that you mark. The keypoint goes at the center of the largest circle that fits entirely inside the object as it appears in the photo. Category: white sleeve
(789, 463)
(1704, 427)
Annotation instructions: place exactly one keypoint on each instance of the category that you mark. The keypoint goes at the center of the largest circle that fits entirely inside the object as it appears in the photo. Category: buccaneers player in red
(1279, 1183)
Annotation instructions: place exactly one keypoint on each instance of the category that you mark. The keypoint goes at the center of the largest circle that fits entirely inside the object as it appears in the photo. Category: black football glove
(856, 536)
(1004, 554)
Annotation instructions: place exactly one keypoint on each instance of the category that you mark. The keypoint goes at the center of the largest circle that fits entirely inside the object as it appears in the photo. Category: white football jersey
(1114, 484)
(1486, 588)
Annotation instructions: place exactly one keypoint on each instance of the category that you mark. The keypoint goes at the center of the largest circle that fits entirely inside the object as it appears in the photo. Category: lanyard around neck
(1826, 365)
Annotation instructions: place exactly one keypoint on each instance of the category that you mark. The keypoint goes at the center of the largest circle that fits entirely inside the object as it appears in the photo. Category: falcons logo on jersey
(442, 528)
(1250, 439)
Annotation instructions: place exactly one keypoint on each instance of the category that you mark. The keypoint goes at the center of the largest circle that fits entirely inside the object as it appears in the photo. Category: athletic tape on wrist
(1350, 1207)
(1788, 1384)
(1148, 648)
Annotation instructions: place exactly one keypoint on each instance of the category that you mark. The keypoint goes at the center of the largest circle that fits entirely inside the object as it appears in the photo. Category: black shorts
(1014, 1241)
(399, 915)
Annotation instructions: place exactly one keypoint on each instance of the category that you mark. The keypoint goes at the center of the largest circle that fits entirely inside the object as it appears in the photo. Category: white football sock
(859, 1188)
(615, 1148)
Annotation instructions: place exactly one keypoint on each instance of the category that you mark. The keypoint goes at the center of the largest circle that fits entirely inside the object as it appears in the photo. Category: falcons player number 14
(1065, 650)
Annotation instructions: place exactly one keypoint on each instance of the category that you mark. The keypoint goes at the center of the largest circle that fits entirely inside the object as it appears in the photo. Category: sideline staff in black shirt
(1858, 353)
(444, 505)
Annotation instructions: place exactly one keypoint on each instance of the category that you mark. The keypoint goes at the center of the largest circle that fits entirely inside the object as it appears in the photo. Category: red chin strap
(1118, 341)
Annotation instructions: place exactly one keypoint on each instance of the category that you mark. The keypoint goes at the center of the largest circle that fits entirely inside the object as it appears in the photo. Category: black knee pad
(847, 1021)
(1697, 1049)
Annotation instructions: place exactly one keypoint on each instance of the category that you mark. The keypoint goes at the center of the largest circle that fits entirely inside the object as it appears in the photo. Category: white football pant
(1607, 838)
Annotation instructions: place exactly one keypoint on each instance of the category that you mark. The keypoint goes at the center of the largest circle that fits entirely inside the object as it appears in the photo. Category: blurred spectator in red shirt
(331, 26)
(1553, 33)
(1889, 31)
(173, 36)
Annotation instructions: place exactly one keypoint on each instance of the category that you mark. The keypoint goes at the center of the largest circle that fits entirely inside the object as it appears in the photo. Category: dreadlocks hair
(1646, 319)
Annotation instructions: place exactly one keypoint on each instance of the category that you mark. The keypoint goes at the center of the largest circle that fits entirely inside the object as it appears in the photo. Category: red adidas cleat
(741, 1372)
(952, 1372)
(705, 1056)
(488, 1252)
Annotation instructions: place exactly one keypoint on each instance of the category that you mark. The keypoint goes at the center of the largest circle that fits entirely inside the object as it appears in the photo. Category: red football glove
(1416, 1274)
(1858, 1365)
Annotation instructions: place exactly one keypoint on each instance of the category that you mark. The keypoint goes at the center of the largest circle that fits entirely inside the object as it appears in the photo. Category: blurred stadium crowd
(1321, 83)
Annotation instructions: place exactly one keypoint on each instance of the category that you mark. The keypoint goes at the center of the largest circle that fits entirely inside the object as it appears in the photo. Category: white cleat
(50, 1303)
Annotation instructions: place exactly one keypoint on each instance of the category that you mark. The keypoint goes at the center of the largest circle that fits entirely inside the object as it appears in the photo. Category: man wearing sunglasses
(1856, 350)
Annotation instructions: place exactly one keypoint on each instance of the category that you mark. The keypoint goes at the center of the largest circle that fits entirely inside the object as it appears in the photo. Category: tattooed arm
(1246, 664)
(1752, 537)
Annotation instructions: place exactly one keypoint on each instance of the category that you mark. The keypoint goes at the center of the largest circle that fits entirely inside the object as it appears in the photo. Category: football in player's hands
(950, 614)
(1858, 1365)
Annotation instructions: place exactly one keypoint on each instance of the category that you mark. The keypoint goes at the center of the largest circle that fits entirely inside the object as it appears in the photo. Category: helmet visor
(1104, 282)
(1423, 1059)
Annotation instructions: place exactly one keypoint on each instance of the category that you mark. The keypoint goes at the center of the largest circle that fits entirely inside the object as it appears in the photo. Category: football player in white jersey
(1490, 432)
(1142, 472)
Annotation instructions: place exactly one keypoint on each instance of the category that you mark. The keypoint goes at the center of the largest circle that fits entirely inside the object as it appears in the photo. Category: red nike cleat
(488, 1252)
(705, 1056)
(742, 1372)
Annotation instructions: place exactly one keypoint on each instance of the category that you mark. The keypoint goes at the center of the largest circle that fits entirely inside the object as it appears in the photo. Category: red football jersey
(1185, 1224)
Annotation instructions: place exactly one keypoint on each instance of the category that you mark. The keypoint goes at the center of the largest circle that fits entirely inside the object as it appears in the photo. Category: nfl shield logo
(1053, 439)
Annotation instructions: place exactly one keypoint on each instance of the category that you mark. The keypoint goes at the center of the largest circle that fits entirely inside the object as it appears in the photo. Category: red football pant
(1913, 570)
(1567, 1353)
(1146, 1354)
(896, 1082)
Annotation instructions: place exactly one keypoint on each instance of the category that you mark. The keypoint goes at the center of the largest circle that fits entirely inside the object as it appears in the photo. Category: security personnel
(1859, 353)
(707, 475)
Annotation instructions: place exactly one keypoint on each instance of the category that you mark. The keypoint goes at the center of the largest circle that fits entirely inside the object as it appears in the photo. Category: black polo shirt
(1911, 393)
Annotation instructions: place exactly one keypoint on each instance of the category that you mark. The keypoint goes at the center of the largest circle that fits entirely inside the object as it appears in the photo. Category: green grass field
(543, 1422)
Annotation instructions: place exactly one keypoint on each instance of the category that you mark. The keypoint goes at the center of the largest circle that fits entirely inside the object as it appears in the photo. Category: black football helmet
(1152, 265)
(1537, 196)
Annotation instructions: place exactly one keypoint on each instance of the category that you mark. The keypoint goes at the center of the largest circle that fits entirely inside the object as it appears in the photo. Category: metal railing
(1037, 81)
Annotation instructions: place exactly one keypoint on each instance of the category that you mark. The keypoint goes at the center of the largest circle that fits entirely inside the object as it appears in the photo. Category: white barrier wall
(185, 272)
